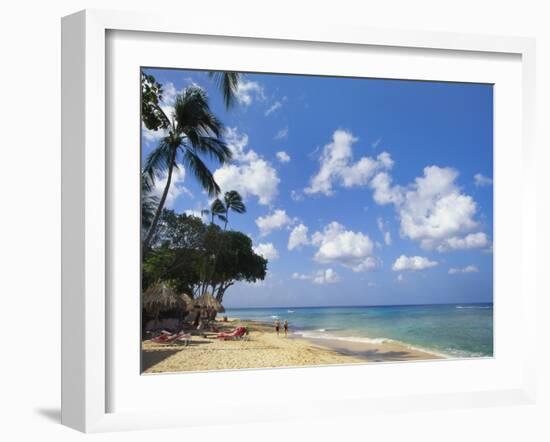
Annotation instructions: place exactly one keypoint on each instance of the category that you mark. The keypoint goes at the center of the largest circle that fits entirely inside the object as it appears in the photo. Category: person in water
(286, 328)
(277, 326)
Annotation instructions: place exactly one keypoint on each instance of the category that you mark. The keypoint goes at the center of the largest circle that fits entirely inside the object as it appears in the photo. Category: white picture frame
(85, 214)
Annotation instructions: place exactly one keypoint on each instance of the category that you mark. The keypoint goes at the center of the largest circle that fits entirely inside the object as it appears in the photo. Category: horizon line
(364, 305)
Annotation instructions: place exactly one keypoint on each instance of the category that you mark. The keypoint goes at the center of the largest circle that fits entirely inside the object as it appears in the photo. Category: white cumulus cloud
(336, 245)
(481, 180)
(412, 263)
(327, 276)
(470, 241)
(274, 221)
(338, 168)
(283, 157)
(250, 174)
(267, 250)
(467, 269)
(176, 187)
(298, 237)
(248, 91)
(432, 210)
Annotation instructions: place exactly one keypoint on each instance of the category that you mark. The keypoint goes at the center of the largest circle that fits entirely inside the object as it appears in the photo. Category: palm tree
(193, 130)
(217, 210)
(151, 96)
(233, 201)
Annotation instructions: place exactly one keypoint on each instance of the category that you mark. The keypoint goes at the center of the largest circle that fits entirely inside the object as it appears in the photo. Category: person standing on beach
(286, 327)
(277, 326)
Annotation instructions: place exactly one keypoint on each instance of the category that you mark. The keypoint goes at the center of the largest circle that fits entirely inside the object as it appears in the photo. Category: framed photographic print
(322, 263)
(254, 214)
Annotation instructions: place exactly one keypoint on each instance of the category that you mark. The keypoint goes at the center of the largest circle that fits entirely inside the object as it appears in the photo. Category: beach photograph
(307, 220)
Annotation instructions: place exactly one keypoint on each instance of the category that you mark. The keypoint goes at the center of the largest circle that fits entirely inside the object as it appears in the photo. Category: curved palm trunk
(150, 233)
(226, 220)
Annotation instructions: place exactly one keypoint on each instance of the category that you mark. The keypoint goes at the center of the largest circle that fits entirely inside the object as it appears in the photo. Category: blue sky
(359, 191)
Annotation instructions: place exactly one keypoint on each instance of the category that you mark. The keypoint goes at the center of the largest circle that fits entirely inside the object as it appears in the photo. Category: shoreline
(356, 346)
(264, 349)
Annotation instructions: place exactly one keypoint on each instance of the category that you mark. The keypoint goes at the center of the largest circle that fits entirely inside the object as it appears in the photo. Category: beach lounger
(167, 337)
(238, 333)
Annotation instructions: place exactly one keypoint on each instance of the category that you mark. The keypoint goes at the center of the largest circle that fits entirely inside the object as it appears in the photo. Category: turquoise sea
(452, 330)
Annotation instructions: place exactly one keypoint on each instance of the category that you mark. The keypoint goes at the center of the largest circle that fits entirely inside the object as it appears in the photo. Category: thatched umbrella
(206, 300)
(188, 302)
(159, 297)
(209, 306)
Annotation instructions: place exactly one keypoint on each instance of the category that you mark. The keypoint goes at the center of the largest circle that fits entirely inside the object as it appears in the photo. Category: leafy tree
(192, 132)
(180, 231)
(197, 258)
(152, 115)
(236, 261)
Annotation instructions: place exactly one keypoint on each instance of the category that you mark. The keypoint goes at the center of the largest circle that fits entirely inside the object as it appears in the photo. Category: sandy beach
(264, 349)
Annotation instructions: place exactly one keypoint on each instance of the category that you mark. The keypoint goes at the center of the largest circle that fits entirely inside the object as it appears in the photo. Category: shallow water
(454, 330)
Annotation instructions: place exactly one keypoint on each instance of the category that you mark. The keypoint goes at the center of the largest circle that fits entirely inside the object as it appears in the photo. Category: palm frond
(149, 204)
(201, 172)
(217, 207)
(234, 201)
(193, 115)
(158, 160)
(228, 82)
(146, 183)
(210, 146)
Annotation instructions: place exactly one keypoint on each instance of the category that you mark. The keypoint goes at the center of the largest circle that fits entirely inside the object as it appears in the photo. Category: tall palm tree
(233, 201)
(193, 130)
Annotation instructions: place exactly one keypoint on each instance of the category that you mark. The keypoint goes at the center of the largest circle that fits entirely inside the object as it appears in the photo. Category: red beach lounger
(238, 333)
(165, 338)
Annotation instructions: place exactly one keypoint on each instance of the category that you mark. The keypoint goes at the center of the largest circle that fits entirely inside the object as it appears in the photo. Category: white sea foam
(366, 340)
(477, 307)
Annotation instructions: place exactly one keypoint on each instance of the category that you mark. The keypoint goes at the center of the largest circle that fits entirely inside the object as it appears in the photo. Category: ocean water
(457, 330)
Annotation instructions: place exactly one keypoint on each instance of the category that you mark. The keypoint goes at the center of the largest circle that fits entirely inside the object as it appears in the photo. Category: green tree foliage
(197, 258)
(151, 95)
(236, 261)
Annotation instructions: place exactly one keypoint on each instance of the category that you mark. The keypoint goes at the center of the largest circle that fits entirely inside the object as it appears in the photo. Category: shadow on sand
(151, 357)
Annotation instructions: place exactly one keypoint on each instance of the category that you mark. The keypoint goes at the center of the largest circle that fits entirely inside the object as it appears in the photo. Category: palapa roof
(162, 297)
(207, 300)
